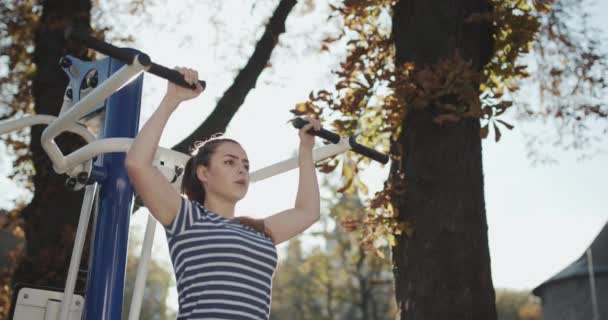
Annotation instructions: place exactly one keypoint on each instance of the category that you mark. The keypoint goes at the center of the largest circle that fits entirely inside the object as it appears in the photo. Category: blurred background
(543, 187)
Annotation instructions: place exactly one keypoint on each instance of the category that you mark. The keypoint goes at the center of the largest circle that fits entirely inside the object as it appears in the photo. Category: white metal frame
(165, 160)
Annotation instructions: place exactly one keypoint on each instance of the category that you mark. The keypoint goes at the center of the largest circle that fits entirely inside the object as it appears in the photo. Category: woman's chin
(239, 195)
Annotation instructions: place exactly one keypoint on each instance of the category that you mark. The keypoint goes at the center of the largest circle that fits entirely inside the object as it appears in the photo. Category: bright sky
(540, 218)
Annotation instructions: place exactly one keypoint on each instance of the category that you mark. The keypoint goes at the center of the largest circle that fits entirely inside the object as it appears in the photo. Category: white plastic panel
(38, 304)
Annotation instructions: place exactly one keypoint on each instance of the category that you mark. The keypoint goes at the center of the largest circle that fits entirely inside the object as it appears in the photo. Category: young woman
(223, 264)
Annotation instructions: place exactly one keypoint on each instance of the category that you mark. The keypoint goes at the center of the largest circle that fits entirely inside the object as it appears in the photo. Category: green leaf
(362, 186)
(391, 240)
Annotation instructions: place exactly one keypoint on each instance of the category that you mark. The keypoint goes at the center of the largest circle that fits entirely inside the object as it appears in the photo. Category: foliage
(569, 71)
(17, 34)
(373, 95)
(10, 222)
(158, 282)
(336, 281)
(11, 259)
(517, 305)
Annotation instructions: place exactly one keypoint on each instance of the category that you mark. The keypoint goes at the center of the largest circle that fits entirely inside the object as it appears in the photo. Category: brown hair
(193, 188)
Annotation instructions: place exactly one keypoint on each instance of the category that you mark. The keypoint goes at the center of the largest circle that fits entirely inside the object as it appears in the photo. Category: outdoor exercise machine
(109, 91)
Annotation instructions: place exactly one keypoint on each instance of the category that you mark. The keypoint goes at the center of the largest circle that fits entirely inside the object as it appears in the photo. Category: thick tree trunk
(443, 270)
(52, 215)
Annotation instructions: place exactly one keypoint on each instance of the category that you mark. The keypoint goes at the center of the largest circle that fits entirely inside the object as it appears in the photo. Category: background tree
(294, 294)
(382, 86)
(517, 305)
(35, 84)
(427, 92)
(337, 279)
(159, 280)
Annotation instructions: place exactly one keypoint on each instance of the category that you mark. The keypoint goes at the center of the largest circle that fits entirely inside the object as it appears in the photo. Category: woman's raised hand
(308, 140)
(179, 93)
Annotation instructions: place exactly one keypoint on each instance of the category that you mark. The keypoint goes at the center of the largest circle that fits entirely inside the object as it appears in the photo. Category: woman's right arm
(157, 194)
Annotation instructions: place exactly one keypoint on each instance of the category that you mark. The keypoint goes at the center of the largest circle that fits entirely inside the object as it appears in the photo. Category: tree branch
(234, 97)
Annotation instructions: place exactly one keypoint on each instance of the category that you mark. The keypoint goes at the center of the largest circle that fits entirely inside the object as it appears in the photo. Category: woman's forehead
(231, 148)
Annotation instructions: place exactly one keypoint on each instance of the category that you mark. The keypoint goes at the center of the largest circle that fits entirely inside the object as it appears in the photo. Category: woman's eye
(231, 162)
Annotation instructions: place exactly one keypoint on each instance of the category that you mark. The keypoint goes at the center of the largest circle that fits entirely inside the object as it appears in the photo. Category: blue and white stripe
(224, 269)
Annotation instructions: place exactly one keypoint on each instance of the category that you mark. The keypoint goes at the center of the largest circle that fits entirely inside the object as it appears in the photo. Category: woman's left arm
(291, 222)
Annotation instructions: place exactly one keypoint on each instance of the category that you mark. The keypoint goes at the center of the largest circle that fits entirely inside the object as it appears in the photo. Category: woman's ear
(201, 173)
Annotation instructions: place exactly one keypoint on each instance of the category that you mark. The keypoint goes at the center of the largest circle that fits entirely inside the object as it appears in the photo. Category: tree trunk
(443, 270)
(52, 215)
(364, 296)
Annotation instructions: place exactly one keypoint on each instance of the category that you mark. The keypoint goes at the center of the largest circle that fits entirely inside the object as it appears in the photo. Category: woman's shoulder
(189, 211)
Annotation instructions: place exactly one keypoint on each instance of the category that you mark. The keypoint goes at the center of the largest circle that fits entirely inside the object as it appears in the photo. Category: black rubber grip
(325, 134)
(98, 45)
(173, 76)
(128, 57)
(335, 138)
(367, 152)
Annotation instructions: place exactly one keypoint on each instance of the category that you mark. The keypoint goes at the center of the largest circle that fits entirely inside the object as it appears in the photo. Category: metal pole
(596, 313)
(81, 233)
(142, 269)
(105, 285)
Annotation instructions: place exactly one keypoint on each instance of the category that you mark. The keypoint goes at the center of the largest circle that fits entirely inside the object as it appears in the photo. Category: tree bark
(443, 270)
(234, 97)
(52, 215)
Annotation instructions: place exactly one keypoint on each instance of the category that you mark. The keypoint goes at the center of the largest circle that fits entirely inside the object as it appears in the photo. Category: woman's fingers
(315, 123)
(193, 77)
(190, 75)
(305, 128)
(183, 72)
(316, 126)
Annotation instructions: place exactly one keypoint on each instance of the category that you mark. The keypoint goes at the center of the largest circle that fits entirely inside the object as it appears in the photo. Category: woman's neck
(220, 206)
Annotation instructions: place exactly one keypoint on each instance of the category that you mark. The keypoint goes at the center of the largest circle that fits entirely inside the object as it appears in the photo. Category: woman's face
(227, 175)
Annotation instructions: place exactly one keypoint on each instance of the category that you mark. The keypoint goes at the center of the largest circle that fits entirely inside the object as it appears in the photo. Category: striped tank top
(223, 268)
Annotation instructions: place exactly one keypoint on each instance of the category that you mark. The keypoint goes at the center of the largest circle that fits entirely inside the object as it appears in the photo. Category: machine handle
(335, 138)
(125, 56)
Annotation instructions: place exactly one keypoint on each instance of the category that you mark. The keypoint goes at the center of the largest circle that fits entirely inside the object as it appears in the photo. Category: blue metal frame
(84, 67)
(106, 277)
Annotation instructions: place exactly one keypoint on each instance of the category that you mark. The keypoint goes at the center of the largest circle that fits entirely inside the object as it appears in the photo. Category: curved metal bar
(28, 121)
(62, 164)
